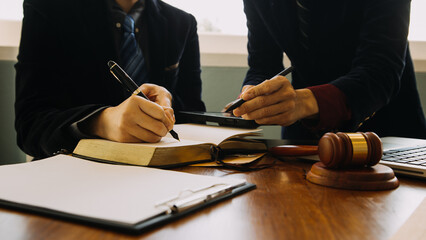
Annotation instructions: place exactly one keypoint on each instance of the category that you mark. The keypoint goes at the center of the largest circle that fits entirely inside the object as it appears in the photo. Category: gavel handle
(294, 150)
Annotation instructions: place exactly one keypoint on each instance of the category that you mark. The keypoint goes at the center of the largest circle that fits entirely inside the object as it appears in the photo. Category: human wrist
(308, 104)
(93, 125)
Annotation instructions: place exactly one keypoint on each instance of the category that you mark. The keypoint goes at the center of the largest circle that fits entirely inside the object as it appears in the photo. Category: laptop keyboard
(410, 155)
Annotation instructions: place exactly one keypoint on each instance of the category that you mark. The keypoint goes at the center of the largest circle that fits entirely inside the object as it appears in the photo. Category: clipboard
(21, 189)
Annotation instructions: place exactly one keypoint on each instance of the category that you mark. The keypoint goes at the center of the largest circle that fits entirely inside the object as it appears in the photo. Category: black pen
(130, 85)
(240, 101)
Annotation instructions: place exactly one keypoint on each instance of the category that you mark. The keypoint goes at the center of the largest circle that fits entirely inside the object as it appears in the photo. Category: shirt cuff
(332, 106)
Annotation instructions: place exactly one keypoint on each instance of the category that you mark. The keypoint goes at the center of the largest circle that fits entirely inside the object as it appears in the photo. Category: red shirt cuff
(333, 110)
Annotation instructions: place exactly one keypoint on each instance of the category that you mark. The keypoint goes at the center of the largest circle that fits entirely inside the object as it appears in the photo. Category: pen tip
(174, 135)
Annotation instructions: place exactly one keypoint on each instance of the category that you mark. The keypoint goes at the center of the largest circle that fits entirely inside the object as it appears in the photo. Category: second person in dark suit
(353, 69)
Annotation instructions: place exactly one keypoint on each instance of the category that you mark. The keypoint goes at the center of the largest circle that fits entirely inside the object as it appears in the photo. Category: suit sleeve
(265, 57)
(188, 88)
(42, 117)
(379, 61)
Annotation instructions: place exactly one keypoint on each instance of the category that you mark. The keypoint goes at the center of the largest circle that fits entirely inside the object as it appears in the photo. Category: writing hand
(134, 120)
(162, 97)
(276, 102)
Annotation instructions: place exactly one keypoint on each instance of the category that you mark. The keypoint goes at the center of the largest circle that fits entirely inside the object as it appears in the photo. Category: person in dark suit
(352, 68)
(64, 90)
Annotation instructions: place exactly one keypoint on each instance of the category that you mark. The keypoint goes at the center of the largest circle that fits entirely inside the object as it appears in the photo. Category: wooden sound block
(377, 177)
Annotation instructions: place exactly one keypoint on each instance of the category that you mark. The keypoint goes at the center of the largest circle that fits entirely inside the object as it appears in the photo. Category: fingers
(261, 103)
(245, 88)
(151, 109)
(154, 117)
(283, 119)
(162, 97)
(130, 131)
(135, 120)
(141, 119)
(263, 114)
(265, 88)
(227, 106)
(278, 92)
(170, 116)
(157, 94)
(272, 102)
(283, 107)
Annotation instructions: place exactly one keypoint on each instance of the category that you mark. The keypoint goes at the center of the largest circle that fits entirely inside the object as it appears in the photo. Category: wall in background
(221, 85)
(9, 151)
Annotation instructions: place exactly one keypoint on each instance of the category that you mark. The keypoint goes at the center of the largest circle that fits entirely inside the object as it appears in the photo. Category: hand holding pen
(142, 119)
(276, 102)
(238, 102)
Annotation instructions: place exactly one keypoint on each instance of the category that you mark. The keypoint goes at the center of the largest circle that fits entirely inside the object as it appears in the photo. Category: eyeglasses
(218, 155)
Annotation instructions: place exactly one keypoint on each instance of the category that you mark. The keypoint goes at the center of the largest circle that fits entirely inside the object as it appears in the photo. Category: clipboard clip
(189, 198)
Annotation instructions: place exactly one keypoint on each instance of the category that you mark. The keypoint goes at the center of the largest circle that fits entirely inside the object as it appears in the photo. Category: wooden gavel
(339, 150)
(348, 161)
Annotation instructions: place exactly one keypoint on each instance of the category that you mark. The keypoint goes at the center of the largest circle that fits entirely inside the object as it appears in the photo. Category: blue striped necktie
(132, 58)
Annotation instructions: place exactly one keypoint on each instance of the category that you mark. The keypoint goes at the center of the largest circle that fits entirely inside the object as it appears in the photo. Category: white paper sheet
(124, 194)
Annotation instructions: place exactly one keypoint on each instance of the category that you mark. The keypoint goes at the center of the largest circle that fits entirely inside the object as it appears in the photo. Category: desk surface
(284, 206)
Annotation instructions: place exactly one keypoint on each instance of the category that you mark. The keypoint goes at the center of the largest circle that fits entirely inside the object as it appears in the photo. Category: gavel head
(343, 150)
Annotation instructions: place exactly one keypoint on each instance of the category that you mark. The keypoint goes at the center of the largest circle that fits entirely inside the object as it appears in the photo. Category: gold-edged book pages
(194, 146)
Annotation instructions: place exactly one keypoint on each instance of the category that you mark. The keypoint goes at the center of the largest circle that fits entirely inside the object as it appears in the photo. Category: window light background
(227, 16)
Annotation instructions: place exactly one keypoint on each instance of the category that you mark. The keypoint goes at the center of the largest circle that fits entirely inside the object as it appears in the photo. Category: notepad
(197, 144)
(125, 197)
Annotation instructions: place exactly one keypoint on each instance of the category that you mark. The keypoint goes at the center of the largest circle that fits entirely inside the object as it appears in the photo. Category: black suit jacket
(358, 46)
(62, 75)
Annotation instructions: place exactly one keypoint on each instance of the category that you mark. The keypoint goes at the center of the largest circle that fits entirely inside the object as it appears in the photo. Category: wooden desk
(284, 206)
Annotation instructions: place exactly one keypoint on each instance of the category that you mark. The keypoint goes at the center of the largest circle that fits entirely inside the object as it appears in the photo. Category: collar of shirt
(135, 12)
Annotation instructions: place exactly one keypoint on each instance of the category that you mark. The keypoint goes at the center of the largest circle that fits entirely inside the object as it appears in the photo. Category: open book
(198, 143)
(124, 197)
